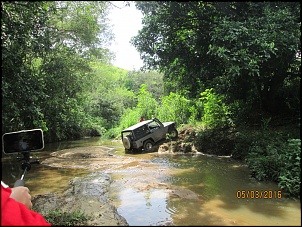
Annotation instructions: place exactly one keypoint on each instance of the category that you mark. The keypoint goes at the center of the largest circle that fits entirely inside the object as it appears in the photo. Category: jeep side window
(153, 125)
(136, 133)
(140, 132)
(146, 129)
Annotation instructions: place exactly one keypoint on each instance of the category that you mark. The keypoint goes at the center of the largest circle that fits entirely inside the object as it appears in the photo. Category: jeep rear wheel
(173, 134)
(148, 145)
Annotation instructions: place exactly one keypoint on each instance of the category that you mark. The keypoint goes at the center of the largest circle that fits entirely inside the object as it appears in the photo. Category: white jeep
(146, 134)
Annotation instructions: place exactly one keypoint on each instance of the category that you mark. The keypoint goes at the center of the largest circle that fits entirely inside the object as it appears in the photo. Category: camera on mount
(23, 142)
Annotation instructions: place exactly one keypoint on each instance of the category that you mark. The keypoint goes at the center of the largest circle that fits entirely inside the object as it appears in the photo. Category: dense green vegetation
(231, 70)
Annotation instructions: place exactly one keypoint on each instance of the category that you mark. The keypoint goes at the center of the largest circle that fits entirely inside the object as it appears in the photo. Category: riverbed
(156, 189)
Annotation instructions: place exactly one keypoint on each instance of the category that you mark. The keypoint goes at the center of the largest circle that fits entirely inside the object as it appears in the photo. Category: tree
(24, 37)
(152, 79)
(46, 49)
(244, 50)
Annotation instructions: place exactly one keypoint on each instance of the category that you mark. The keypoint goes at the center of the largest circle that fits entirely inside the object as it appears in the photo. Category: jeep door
(157, 130)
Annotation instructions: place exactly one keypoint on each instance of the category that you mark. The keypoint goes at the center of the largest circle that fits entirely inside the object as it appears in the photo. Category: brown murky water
(154, 189)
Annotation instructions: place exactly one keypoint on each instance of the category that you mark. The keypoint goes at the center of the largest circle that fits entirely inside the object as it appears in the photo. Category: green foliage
(254, 65)
(129, 117)
(56, 76)
(146, 103)
(196, 111)
(152, 79)
(84, 26)
(22, 35)
(64, 77)
(215, 113)
(242, 144)
(46, 47)
(271, 157)
(264, 162)
(174, 108)
(107, 96)
(244, 50)
(289, 179)
(113, 133)
(217, 141)
(146, 106)
(265, 123)
(63, 218)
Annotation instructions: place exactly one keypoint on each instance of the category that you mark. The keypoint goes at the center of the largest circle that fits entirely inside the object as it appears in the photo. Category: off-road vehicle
(146, 134)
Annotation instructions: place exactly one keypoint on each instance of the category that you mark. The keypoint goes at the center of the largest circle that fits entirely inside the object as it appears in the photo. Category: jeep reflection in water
(146, 134)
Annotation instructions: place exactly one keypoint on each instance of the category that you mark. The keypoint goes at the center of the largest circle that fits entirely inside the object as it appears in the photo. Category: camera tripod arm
(21, 181)
(26, 165)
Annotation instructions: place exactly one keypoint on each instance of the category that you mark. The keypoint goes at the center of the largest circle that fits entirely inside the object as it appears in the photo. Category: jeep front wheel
(148, 145)
(173, 134)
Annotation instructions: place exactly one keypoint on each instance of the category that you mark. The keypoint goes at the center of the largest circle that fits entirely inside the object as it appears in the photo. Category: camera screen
(23, 141)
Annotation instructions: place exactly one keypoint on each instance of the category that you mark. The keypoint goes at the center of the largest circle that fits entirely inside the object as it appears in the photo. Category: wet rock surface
(90, 193)
(86, 194)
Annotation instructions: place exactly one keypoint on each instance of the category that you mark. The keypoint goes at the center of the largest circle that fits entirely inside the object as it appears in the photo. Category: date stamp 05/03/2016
(258, 194)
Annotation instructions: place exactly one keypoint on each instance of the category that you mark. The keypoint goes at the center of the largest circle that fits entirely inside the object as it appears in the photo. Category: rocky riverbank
(85, 194)
(90, 193)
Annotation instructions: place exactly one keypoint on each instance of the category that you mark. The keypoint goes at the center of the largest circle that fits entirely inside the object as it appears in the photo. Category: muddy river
(154, 189)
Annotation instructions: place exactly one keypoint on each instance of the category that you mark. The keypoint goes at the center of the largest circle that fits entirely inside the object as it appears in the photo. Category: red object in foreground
(17, 214)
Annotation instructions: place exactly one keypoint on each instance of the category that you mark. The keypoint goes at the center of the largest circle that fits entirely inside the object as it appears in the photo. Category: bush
(63, 218)
(271, 157)
(290, 175)
(216, 114)
(215, 141)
